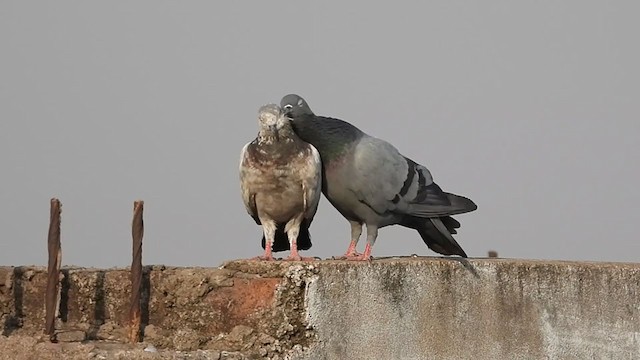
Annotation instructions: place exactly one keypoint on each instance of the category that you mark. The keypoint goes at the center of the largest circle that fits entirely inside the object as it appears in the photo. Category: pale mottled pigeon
(370, 182)
(280, 179)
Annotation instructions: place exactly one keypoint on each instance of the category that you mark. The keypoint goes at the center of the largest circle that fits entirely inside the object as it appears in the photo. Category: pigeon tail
(455, 205)
(461, 202)
(281, 240)
(436, 233)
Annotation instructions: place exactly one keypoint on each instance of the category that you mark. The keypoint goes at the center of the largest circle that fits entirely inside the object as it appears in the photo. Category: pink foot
(263, 258)
(349, 256)
(299, 258)
(351, 252)
(366, 256)
(267, 254)
(294, 256)
(359, 257)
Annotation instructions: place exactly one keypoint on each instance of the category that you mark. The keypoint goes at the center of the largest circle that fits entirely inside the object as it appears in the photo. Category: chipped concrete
(394, 308)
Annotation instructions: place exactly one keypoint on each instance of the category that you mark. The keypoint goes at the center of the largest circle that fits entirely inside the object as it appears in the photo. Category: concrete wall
(409, 308)
(490, 309)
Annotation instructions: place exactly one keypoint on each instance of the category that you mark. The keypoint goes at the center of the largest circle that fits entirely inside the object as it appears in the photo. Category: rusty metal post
(53, 269)
(137, 231)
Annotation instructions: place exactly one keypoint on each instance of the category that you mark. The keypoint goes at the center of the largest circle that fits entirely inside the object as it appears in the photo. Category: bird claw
(299, 258)
(350, 255)
(354, 257)
(359, 257)
(263, 258)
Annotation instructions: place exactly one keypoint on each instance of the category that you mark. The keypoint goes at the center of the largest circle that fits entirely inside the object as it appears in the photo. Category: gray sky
(530, 108)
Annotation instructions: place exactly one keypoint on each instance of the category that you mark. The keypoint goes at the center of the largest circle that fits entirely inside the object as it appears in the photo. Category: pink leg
(267, 253)
(356, 231)
(351, 252)
(294, 256)
(365, 256)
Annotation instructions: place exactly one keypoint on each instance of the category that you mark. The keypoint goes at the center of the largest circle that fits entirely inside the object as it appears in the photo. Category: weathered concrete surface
(244, 310)
(409, 308)
(490, 309)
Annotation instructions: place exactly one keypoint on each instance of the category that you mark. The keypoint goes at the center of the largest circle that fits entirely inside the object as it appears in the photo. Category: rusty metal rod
(137, 231)
(53, 269)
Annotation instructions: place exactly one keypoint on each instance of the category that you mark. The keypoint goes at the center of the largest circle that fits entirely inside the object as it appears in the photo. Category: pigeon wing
(248, 196)
(312, 182)
(387, 181)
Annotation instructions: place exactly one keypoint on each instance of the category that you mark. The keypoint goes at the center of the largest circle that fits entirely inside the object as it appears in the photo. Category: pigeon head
(294, 105)
(271, 118)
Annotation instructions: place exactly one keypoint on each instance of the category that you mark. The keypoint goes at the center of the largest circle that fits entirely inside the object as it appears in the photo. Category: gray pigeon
(280, 179)
(370, 182)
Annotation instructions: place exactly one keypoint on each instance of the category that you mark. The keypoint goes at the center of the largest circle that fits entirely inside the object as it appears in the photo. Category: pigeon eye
(288, 106)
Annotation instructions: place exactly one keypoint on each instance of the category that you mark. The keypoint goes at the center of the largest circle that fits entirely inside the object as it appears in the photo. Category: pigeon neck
(270, 136)
(332, 137)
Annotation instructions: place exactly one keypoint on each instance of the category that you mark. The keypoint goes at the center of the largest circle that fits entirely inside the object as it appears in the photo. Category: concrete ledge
(490, 309)
(396, 308)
